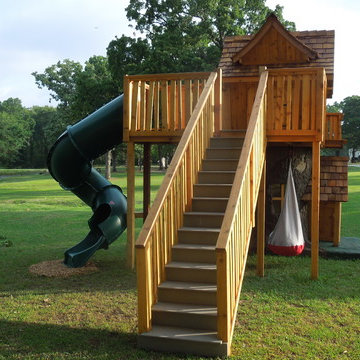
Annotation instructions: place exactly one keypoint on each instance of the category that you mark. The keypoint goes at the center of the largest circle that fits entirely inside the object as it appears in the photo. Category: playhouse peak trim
(303, 52)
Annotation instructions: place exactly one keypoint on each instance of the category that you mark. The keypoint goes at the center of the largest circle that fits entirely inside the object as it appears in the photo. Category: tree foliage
(15, 128)
(350, 106)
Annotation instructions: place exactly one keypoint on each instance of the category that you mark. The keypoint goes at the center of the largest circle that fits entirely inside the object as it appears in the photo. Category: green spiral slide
(69, 163)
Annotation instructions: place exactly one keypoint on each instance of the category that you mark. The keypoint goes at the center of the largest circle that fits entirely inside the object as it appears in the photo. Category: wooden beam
(131, 205)
(146, 179)
(260, 228)
(315, 209)
(218, 103)
(337, 223)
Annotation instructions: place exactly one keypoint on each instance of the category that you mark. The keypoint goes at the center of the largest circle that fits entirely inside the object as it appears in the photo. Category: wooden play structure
(270, 89)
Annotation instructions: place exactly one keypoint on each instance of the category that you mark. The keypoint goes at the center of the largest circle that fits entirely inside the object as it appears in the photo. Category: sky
(35, 34)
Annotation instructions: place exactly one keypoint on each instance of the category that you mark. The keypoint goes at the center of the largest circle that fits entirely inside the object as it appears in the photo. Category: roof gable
(273, 44)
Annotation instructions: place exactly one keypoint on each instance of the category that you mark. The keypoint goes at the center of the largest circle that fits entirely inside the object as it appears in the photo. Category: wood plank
(288, 113)
(188, 99)
(305, 104)
(260, 229)
(127, 108)
(146, 179)
(337, 223)
(135, 107)
(144, 293)
(179, 115)
(130, 217)
(157, 106)
(315, 206)
(223, 289)
(143, 105)
(172, 106)
(218, 103)
(150, 106)
(164, 105)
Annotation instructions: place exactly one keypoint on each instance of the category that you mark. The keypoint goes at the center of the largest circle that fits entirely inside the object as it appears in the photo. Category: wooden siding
(266, 53)
(238, 99)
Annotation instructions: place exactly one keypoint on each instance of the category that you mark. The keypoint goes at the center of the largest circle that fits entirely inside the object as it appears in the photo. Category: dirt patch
(56, 268)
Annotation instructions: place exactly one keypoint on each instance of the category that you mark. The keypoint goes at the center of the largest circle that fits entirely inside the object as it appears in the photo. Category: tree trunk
(114, 159)
(108, 165)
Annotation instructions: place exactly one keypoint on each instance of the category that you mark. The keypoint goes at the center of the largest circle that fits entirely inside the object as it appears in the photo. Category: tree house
(270, 91)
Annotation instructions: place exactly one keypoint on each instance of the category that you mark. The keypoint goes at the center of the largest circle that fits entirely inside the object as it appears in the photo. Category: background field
(282, 316)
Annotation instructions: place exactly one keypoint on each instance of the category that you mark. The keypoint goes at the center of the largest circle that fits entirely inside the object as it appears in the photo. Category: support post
(260, 229)
(130, 205)
(218, 103)
(337, 223)
(146, 179)
(315, 209)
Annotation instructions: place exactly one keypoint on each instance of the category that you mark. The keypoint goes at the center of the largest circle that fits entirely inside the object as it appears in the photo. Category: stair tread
(218, 171)
(186, 308)
(182, 285)
(212, 184)
(203, 213)
(194, 246)
(192, 265)
(226, 148)
(199, 229)
(196, 335)
(210, 198)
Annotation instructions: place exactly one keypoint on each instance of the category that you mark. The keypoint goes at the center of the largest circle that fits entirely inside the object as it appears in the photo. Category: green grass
(350, 222)
(282, 316)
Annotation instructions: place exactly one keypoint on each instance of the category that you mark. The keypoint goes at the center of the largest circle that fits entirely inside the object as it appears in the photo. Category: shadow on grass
(34, 341)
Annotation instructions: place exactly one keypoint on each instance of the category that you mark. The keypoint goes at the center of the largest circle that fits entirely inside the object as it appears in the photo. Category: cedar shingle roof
(322, 42)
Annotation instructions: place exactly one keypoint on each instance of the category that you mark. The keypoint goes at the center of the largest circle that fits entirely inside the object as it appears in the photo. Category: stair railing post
(218, 104)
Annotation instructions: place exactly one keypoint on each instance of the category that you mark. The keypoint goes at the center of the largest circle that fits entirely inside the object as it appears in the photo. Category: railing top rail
(244, 157)
(170, 76)
(175, 163)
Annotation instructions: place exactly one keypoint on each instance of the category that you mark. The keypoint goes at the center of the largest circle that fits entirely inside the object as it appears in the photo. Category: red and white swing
(287, 238)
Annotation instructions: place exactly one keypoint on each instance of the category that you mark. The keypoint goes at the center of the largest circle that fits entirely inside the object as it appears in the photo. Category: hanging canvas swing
(287, 238)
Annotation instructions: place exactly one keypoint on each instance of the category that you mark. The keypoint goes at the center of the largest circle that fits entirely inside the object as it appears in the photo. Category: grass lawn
(282, 316)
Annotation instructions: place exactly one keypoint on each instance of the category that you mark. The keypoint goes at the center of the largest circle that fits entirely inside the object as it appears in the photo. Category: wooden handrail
(159, 233)
(233, 240)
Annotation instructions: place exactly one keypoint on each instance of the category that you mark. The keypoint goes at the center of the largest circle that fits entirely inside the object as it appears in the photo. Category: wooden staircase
(184, 318)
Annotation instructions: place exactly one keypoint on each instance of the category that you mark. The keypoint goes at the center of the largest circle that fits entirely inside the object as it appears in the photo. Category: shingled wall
(333, 179)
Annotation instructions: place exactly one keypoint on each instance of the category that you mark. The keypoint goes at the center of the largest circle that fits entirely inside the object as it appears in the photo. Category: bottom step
(181, 340)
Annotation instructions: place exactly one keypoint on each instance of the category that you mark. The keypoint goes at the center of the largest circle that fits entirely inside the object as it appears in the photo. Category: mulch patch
(56, 268)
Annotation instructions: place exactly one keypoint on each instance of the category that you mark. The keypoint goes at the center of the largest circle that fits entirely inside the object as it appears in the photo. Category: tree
(79, 90)
(44, 134)
(351, 123)
(200, 23)
(60, 79)
(15, 129)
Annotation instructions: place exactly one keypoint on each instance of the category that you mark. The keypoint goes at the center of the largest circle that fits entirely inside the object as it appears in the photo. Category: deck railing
(159, 233)
(296, 103)
(333, 126)
(233, 241)
(160, 104)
